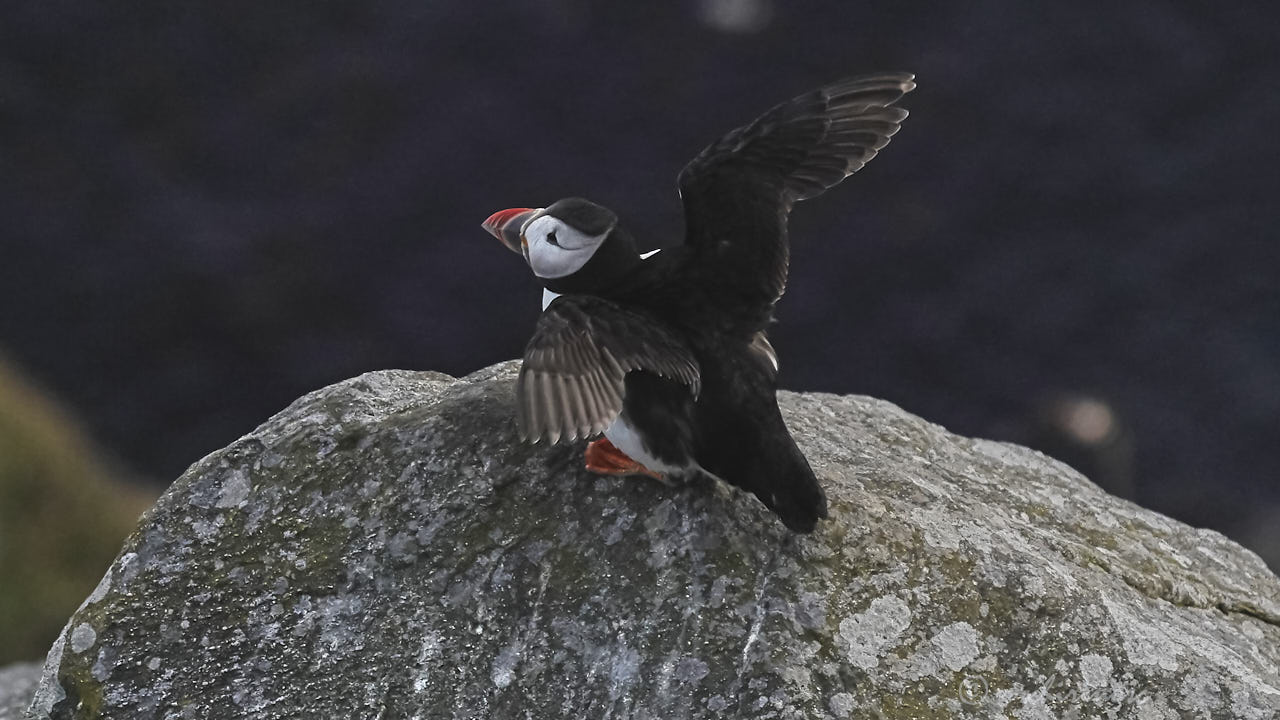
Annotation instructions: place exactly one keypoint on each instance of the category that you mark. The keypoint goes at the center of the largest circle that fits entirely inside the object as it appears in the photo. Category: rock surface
(17, 683)
(386, 548)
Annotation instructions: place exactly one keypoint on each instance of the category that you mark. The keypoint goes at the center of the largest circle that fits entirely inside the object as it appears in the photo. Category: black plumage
(572, 381)
(675, 345)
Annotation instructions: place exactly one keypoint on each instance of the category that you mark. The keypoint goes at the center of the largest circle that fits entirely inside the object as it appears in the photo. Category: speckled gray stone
(386, 548)
(17, 683)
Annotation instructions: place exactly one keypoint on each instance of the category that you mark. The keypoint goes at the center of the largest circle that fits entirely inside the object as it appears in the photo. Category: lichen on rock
(386, 547)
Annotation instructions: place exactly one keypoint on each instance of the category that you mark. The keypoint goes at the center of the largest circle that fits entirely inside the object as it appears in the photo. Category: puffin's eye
(551, 238)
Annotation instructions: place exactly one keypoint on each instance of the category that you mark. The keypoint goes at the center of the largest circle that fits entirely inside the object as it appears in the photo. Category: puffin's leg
(605, 458)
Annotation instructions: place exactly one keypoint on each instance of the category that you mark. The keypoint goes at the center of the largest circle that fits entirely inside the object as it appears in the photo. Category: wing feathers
(547, 401)
(572, 382)
(737, 190)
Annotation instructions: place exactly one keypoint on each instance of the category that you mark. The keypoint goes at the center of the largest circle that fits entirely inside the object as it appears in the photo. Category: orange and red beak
(507, 224)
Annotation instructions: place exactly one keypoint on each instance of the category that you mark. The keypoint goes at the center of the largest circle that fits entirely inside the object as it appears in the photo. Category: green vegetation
(63, 515)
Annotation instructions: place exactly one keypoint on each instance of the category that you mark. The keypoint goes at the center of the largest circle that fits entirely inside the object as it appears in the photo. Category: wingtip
(906, 81)
(903, 78)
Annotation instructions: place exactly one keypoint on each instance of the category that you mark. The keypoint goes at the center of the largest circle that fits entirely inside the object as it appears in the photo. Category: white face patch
(556, 250)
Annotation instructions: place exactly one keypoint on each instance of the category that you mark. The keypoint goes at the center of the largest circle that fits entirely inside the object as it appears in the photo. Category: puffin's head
(561, 239)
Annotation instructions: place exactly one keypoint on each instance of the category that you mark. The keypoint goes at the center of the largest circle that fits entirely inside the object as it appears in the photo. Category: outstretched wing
(738, 191)
(571, 382)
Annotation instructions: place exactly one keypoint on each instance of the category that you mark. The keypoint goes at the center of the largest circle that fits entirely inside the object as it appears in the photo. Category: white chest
(625, 438)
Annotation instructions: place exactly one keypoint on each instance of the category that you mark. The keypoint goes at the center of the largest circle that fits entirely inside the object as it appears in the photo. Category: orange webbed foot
(605, 458)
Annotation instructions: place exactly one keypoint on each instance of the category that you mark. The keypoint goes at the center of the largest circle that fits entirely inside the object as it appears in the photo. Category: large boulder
(385, 547)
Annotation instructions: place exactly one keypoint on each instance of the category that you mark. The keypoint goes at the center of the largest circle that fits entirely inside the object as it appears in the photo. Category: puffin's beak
(506, 224)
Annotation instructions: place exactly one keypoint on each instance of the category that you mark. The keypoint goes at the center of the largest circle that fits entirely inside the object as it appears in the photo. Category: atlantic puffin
(666, 354)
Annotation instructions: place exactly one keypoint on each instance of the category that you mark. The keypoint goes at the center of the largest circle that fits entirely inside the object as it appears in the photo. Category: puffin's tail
(790, 489)
(742, 439)
(754, 451)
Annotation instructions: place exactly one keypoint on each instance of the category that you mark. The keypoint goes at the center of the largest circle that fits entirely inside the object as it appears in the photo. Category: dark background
(209, 208)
